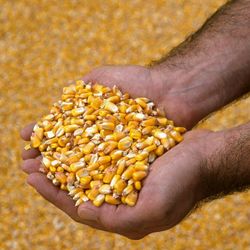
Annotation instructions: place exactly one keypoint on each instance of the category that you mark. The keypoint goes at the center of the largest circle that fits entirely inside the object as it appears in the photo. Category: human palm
(169, 192)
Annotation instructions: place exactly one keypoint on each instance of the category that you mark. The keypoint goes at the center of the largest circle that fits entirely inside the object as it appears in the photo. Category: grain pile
(97, 143)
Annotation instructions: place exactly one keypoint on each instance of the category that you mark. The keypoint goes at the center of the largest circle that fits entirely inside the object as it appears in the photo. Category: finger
(26, 132)
(31, 165)
(53, 194)
(30, 154)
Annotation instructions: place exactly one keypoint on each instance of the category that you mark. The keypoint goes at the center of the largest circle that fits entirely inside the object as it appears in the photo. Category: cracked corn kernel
(101, 142)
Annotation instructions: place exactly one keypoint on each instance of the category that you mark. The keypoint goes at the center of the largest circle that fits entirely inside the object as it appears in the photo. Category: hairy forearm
(212, 67)
(227, 168)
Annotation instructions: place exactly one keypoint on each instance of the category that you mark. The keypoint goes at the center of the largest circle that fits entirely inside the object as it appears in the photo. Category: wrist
(197, 92)
(227, 162)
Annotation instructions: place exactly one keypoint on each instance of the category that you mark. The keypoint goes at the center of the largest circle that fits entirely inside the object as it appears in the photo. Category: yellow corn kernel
(131, 198)
(76, 121)
(159, 134)
(87, 158)
(93, 166)
(48, 127)
(116, 154)
(42, 147)
(54, 145)
(114, 180)
(61, 177)
(78, 132)
(77, 111)
(121, 166)
(137, 185)
(123, 198)
(138, 117)
(80, 173)
(73, 159)
(176, 135)
(112, 145)
(125, 143)
(111, 200)
(62, 141)
(149, 122)
(92, 194)
(127, 174)
(105, 189)
(63, 187)
(67, 106)
(151, 157)
(160, 150)
(133, 124)
(130, 162)
(162, 121)
(150, 148)
(114, 99)
(132, 108)
(69, 90)
(140, 166)
(88, 148)
(85, 180)
(83, 140)
(180, 129)
(141, 156)
(149, 141)
(141, 102)
(90, 117)
(52, 169)
(147, 130)
(46, 162)
(88, 111)
(127, 190)
(104, 159)
(98, 177)
(111, 118)
(119, 186)
(110, 107)
(165, 143)
(135, 134)
(123, 108)
(98, 201)
(70, 128)
(70, 177)
(104, 133)
(60, 131)
(95, 184)
(118, 135)
(109, 174)
(96, 102)
(139, 175)
(76, 166)
(39, 132)
(103, 112)
(107, 126)
(35, 141)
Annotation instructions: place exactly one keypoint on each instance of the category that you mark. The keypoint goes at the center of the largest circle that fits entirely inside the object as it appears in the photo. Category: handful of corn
(97, 143)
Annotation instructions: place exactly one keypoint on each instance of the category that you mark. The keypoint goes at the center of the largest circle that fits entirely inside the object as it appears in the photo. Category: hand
(170, 191)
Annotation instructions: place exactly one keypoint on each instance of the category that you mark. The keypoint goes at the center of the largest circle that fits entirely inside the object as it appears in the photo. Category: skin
(188, 84)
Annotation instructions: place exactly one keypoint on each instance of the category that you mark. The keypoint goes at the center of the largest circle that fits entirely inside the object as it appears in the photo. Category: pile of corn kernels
(98, 143)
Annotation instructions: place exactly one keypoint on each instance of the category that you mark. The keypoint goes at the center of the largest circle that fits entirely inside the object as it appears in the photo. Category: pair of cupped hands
(176, 182)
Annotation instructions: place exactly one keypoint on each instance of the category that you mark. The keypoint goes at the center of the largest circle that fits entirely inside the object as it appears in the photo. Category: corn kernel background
(43, 45)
